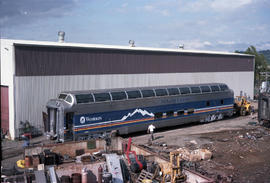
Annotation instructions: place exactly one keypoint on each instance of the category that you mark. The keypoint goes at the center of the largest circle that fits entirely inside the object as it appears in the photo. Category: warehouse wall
(32, 93)
(52, 61)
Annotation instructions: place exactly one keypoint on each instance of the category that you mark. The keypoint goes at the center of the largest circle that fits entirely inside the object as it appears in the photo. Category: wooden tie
(144, 175)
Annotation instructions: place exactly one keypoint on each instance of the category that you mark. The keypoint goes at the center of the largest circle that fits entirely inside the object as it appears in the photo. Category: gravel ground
(181, 134)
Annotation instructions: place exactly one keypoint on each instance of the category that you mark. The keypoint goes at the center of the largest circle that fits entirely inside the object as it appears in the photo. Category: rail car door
(52, 117)
(69, 126)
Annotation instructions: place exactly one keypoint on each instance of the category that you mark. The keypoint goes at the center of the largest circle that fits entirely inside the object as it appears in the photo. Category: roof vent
(131, 43)
(181, 46)
(61, 36)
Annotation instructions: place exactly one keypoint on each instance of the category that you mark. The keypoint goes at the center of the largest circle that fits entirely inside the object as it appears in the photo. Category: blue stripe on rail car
(100, 121)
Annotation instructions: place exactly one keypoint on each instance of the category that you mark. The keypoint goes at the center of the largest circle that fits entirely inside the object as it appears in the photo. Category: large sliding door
(4, 109)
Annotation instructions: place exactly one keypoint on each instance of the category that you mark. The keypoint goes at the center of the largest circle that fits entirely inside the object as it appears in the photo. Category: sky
(221, 25)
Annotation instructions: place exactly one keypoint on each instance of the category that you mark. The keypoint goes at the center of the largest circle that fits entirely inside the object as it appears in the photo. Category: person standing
(151, 130)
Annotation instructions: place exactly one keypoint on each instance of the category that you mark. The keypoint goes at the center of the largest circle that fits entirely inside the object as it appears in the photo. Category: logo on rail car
(140, 111)
(82, 120)
(89, 119)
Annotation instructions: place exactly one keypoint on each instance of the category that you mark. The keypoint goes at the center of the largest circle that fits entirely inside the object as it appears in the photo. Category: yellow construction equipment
(21, 163)
(174, 169)
(242, 106)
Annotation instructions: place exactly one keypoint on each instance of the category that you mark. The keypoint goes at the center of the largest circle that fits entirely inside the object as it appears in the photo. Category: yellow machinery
(174, 169)
(21, 163)
(242, 106)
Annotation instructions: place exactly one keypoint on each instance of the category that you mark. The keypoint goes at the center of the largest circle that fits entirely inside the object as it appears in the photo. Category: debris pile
(195, 155)
(101, 162)
(27, 130)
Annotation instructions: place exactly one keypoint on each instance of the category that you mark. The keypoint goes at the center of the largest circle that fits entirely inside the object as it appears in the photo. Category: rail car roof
(139, 88)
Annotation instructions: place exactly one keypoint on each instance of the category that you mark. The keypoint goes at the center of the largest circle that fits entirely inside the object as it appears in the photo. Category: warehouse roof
(116, 47)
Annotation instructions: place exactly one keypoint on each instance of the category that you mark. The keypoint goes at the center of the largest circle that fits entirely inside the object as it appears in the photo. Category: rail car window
(221, 101)
(190, 111)
(208, 103)
(84, 98)
(195, 89)
(173, 91)
(147, 93)
(101, 97)
(118, 95)
(134, 94)
(69, 99)
(169, 113)
(184, 90)
(62, 96)
(223, 87)
(214, 88)
(158, 115)
(181, 112)
(205, 89)
(161, 92)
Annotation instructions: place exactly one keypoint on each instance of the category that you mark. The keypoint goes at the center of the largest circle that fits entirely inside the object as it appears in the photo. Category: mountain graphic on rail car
(137, 113)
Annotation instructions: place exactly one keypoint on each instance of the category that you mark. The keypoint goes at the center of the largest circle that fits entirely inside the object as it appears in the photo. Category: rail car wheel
(249, 111)
(82, 138)
(213, 117)
(243, 111)
(207, 119)
(220, 116)
(114, 133)
(203, 120)
(90, 137)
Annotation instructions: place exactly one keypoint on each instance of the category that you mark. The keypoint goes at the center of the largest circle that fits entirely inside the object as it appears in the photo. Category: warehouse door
(4, 109)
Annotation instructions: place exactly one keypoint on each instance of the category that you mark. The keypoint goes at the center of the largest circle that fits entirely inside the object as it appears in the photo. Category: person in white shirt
(151, 130)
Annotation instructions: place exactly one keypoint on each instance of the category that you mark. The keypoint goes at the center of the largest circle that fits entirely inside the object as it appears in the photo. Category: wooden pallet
(144, 175)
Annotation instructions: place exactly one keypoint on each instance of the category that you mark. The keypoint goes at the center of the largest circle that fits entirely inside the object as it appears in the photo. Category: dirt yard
(241, 148)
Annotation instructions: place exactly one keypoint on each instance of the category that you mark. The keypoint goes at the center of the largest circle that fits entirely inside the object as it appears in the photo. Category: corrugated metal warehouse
(32, 72)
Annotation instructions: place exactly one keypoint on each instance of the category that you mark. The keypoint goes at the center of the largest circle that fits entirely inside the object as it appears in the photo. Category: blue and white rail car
(84, 114)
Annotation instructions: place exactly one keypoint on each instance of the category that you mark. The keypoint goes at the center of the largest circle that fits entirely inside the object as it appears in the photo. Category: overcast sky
(225, 25)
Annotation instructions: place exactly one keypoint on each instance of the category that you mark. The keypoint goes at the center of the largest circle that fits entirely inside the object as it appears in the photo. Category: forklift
(242, 106)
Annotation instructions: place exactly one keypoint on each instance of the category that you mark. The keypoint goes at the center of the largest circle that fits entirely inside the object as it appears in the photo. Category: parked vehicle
(78, 115)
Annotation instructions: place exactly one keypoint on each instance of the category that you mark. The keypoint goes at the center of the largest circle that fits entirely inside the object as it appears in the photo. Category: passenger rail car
(78, 115)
